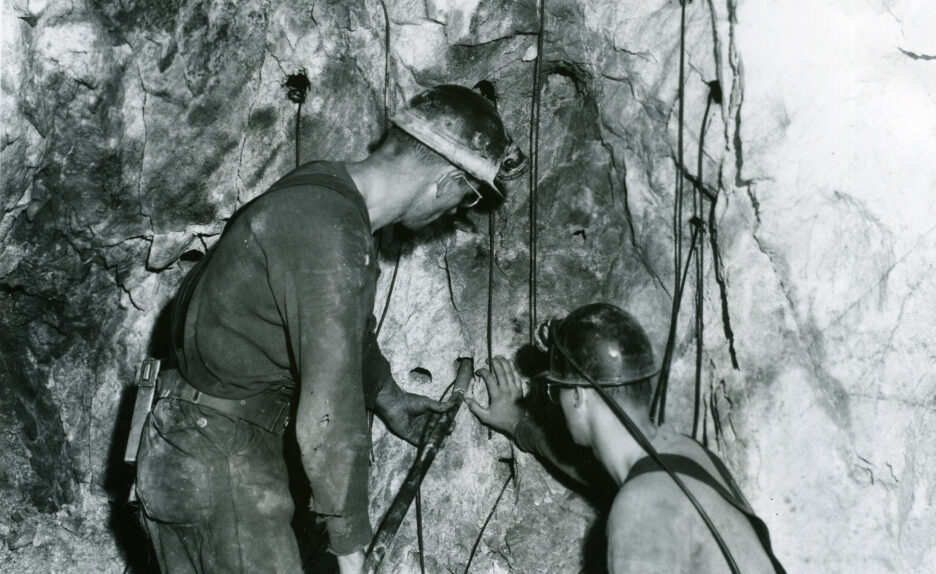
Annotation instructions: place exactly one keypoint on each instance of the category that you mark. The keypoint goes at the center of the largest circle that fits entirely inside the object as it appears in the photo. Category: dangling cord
(487, 90)
(386, 123)
(697, 200)
(490, 299)
(658, 405)
(386, 81)
(297, 86)
(386, 306)
(534, 163)
(298, 131)
(386, 118)
(474, 547)
(715, 95)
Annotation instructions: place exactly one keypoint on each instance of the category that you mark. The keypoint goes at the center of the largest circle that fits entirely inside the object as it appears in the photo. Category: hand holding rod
(439, 426)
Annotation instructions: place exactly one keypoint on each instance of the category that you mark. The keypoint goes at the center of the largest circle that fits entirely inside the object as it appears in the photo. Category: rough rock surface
(131, 131)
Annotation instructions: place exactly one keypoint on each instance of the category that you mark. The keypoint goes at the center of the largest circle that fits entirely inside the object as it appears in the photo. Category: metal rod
(534, 162)
(440, 424)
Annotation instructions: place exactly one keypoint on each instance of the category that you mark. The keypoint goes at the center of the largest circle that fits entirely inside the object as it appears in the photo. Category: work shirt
(283, 303)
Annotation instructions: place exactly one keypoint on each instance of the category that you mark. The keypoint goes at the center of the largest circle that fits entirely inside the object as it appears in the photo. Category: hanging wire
(500, 495)
(715, 96)
(490, 299)
(698, 214)
(386, 123)
(490, 295)
(534, 163)
(534, 176)
(393, 277)
(658, 405)
(297, 86)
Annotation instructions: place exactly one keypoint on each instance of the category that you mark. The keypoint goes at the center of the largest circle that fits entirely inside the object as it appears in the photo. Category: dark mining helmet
(464, 127)
(604, 341)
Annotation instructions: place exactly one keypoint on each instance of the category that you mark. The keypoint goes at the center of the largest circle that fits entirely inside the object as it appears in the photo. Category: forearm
(387, 397)
(531, 437)
(337, 466)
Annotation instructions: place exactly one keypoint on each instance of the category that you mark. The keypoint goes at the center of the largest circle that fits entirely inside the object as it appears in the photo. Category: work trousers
(215, 493)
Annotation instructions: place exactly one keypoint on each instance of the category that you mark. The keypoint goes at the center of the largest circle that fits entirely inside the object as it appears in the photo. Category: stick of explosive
(439, 426)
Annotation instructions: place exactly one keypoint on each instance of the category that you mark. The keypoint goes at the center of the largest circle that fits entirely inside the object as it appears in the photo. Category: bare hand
(406, 414)
(505, 391)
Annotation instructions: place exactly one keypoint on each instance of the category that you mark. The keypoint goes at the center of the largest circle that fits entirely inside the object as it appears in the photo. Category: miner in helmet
(276, 319)
(652, 526)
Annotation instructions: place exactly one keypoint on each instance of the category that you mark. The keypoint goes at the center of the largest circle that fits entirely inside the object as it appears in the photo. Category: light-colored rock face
(133, 130)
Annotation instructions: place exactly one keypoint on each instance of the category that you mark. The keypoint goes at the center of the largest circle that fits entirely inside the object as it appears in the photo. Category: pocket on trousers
(173, 479)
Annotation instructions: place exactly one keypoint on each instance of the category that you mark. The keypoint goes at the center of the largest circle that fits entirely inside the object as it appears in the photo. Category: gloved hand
(406, 414)
(505, 390)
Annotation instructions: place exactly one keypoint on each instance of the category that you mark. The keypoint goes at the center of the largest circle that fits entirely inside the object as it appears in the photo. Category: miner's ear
(578, 401)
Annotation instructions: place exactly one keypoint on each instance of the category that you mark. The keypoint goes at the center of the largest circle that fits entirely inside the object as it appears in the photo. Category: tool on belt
(268, 410)
(146, 390)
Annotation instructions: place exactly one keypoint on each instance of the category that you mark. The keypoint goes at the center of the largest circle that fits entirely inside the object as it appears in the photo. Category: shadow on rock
(125, 519)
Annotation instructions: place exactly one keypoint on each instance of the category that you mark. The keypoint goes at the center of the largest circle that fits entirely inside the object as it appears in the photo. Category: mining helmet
(604, 341)
(464, 127)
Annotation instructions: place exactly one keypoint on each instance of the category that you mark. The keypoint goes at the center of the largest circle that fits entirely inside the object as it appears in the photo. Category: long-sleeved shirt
(284, 301)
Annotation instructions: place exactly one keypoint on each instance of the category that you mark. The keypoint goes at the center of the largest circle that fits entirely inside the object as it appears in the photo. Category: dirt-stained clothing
(282, 302)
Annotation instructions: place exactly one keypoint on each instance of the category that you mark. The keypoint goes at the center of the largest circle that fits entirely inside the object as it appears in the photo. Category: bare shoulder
(646, 496)
(647, 530)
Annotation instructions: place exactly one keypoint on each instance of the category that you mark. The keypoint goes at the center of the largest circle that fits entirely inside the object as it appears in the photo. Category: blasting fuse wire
(500, 495)
(658, 405)
(297, 86)
(399, 253)
(698, 215)
(534, 177)
(386, 121)
(534, 162)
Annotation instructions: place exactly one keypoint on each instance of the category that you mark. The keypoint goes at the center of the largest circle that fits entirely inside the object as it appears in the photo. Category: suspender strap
(180, 308)
(732, 495)
(317, 179)
(685, 466)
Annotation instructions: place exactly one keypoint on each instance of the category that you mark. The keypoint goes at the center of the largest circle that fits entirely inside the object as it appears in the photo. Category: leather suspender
(732, 495)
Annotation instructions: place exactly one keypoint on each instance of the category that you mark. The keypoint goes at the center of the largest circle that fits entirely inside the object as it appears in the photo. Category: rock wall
(132, 130)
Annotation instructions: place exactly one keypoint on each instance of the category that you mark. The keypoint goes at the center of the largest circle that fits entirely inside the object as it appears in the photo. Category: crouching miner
(277, 317)
(653, 528)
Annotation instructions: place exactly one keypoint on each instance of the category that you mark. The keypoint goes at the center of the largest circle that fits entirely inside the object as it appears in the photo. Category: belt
(268, 410)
